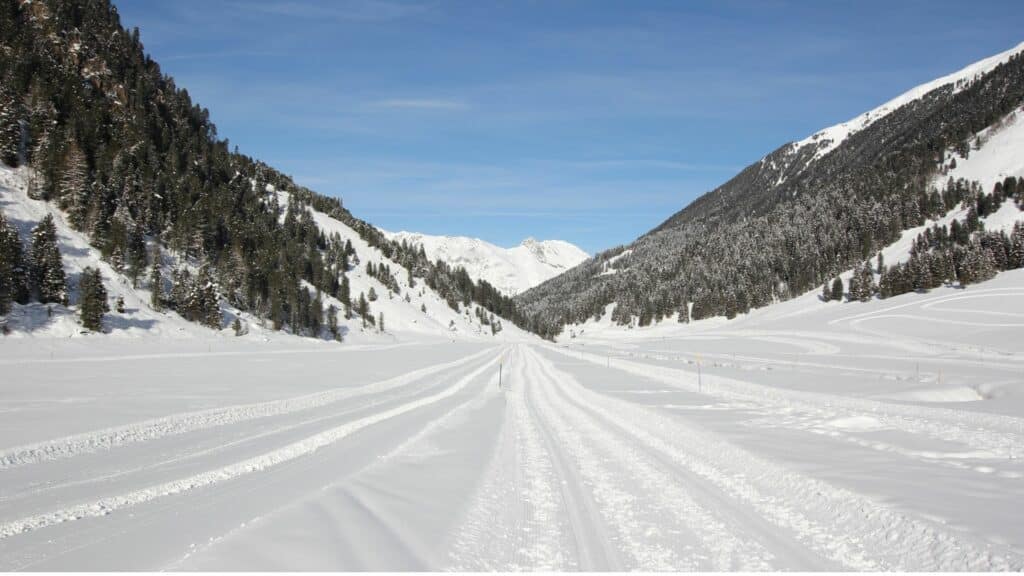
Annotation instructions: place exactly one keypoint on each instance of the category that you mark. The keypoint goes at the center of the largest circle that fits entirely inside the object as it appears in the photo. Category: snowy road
(614, 455)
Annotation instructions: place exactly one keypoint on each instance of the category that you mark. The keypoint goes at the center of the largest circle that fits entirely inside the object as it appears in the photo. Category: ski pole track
(306, 446)
(999, 435)
(110, 438)
(654, 520)
(847, 527)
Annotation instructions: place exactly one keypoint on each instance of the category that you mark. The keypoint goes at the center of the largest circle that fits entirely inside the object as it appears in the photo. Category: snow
(510, 270)
(812, 436)
(828, 139)
(804, 436)
(1001, 154)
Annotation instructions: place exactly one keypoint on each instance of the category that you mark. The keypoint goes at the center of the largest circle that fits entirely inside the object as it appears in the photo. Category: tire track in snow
(309, 445)
(110, 438)
(842, 525)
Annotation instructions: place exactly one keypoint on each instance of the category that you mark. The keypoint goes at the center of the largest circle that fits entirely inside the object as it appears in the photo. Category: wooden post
(700, 379)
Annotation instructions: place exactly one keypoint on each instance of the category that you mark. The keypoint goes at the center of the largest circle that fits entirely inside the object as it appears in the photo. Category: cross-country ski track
(592, 455)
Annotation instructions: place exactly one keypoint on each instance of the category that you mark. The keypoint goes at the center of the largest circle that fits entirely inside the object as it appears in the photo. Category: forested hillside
(139, 168)
(807, 212)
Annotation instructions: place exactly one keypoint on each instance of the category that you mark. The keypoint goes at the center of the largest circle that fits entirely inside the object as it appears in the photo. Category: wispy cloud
(350, 10)
(419, 104)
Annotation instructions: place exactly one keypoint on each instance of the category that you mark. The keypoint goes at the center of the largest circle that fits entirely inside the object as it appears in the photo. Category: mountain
(809, 210)
(510, 270)
(120, 180)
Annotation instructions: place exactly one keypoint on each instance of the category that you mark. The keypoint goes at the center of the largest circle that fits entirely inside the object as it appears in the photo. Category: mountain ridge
(510, 270)
(789, 221)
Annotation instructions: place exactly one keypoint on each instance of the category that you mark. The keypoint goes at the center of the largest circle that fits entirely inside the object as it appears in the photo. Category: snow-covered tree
(47, 270)
(92, 299)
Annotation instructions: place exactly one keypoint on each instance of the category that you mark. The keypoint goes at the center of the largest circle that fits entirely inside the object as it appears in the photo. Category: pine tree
(866, 283)
(372, 295)
(826, 293)
(156, 281)
(11, 116)
(345, 296)
(74, 186)
(332, 321)
(363, 308)
(380, 322)
(93, 299)
(119, 306)
(13, 284)
(1016, 255)
(237, 326)
(837, 288)
(684, 310)
(47, 269)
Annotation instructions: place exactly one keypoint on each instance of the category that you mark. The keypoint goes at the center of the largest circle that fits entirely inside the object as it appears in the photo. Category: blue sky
(586, 121)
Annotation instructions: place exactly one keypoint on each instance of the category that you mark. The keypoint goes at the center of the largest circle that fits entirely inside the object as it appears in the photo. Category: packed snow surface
(815, 436)
(511, 270)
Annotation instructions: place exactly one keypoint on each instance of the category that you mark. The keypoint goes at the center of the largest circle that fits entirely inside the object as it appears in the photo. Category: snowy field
(804, 436)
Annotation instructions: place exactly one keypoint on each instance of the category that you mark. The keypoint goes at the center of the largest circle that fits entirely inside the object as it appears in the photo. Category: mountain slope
(425, 314)
(135, 169)
(510, 270)
(802, 214)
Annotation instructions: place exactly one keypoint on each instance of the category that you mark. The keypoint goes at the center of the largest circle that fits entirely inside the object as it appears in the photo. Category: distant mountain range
(510, 270)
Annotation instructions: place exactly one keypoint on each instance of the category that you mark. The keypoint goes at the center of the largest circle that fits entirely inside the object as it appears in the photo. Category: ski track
(307, 446)
(846, 527)
(110, 438)
(998, 435)
(403, 449)
(532, 533)
(652, 511)
(189, 452)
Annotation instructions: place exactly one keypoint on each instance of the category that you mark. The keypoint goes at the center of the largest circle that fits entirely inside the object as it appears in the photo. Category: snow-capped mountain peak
(511, 270)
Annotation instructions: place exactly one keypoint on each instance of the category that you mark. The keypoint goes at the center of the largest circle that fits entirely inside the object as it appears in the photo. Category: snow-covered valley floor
(804, 436)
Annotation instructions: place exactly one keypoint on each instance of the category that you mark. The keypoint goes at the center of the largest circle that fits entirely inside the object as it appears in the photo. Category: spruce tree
(363, 308)
(11, 112)
(156, 282)
(332, 321)
(13, 284)
(92, 299)
(345, 296)
(684, 311)
(74, 185)
(837, 288)
(47, 269)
